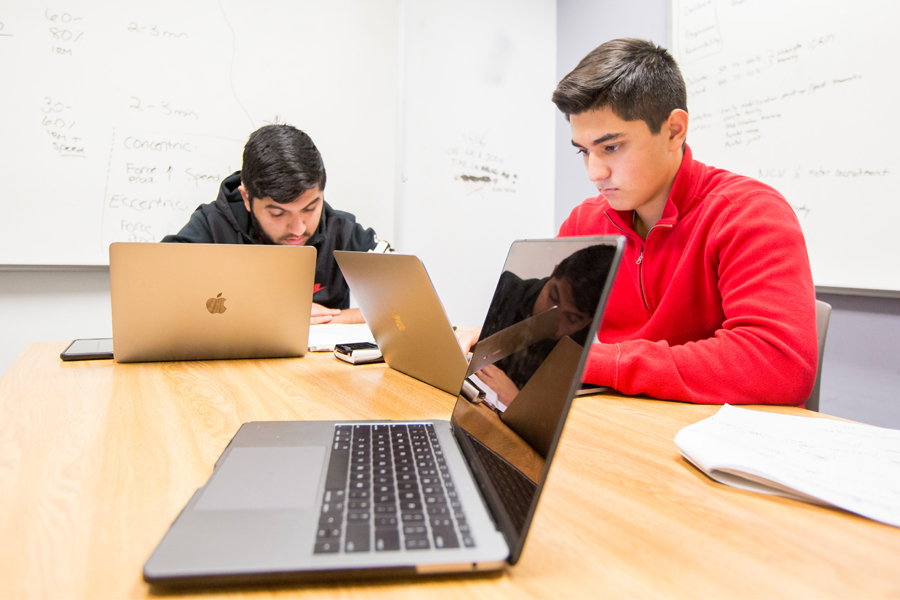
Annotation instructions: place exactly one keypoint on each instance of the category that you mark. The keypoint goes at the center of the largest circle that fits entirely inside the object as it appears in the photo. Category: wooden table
(97, 459)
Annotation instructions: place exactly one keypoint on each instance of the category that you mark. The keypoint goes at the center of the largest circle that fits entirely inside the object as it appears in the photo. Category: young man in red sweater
(714, 301)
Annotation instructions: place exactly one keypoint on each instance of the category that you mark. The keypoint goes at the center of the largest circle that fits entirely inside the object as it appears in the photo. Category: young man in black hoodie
(278, 197)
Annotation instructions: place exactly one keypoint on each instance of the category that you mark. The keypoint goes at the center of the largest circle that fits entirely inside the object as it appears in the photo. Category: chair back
(823, 316)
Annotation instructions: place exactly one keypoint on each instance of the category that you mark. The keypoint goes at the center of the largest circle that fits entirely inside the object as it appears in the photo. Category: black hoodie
(226, 221)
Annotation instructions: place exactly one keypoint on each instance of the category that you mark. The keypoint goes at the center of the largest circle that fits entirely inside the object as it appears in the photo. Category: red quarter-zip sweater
(717, 305)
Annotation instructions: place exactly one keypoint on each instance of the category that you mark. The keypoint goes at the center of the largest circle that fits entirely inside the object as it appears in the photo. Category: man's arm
(361, 239)
(353, 236)
(349, 315)
(321, 315)
(765, 351)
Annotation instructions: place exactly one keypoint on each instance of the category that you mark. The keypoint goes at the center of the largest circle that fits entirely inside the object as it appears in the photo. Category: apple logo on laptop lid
(216, 305)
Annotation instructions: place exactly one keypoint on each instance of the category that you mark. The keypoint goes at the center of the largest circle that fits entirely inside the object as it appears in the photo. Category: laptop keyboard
(388, 488)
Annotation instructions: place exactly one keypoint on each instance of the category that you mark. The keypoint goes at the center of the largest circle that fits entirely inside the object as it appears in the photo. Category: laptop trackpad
(265, 479)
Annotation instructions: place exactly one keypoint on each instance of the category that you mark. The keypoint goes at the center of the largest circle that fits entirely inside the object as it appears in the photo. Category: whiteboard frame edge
(843, 291)
(54, 267)
(820, 289)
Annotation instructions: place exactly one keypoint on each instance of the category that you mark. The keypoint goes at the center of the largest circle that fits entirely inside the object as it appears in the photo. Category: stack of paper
(848, 465)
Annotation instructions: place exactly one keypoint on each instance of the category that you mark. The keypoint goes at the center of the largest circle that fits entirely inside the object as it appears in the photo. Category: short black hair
(636, 79)
(281, 162)
(586, 270)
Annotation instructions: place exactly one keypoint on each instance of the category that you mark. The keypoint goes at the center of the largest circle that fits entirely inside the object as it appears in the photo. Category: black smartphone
(358, 353)
(94, 349)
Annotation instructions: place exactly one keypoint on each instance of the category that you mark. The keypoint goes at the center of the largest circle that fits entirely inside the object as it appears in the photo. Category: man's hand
(467, 337)
(320, 314)
(497, 380)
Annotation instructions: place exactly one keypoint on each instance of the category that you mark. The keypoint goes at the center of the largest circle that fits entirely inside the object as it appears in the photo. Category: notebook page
(849, 465)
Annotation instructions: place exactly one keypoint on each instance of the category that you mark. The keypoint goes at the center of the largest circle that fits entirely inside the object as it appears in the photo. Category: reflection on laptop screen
(524, 366)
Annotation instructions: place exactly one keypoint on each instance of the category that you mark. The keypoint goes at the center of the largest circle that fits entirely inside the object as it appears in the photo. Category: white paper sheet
(849, 465)
(322, 338)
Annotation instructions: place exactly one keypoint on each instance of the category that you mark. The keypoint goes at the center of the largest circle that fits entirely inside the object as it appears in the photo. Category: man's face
(558, 292)
(630, 166)
(287, 224)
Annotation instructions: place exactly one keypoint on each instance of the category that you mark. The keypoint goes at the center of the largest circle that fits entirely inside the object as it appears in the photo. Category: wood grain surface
(98, 458)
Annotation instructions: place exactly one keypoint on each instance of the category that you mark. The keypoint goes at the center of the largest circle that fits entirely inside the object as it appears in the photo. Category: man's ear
(677, 126)
(245, 196)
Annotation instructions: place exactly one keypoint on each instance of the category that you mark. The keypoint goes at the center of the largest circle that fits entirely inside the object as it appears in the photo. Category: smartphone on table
(358, 353)
(90, 349)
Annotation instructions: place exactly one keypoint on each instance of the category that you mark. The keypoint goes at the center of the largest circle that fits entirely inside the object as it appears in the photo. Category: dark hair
(281, 162)
(586, 271)
(636, 79)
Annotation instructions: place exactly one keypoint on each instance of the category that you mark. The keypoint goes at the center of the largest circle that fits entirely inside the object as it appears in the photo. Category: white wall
(49, 306)
(861, 374)
(474, 105)
(582, 25)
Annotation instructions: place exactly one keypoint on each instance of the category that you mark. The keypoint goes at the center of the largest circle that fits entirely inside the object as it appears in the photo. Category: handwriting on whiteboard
(479, 168)
(60, 127)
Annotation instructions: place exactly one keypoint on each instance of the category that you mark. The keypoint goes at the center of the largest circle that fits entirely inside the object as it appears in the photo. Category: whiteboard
(476, 140)
(117, 119)
(802, 95)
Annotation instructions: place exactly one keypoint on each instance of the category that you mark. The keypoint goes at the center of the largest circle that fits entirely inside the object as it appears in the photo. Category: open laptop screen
(526, 366)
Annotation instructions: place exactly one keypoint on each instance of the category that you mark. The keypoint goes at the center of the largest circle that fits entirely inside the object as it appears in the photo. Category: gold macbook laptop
(406, 316)
(209, 301)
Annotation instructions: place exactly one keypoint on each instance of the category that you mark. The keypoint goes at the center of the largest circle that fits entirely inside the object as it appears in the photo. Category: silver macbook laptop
(209, 301)
(311, 500)
(405, 316)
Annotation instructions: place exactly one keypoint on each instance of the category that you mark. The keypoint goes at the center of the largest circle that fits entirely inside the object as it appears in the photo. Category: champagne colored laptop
(405, 315)
(209, 301)
(293, 501)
